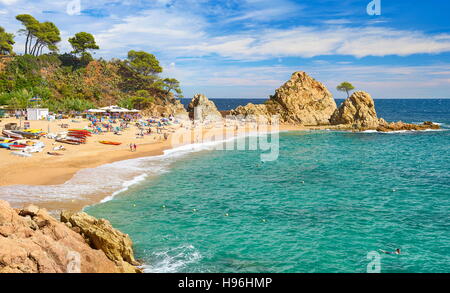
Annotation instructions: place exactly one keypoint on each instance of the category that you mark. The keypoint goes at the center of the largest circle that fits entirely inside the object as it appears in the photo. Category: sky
(248, 48)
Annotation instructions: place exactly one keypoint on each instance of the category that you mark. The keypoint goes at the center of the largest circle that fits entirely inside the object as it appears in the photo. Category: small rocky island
(302, 100)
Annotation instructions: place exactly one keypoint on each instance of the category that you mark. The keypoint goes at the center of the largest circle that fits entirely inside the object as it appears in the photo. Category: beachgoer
(397, 251)
(135, 147)
(131, 147)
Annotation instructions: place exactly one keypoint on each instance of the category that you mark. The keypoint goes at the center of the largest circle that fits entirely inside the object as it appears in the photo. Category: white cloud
(181, 34)
(8, 2)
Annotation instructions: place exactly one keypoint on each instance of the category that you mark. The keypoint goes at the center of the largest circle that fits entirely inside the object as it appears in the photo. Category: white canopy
(115, 109)
(135, 111)
(96, 111)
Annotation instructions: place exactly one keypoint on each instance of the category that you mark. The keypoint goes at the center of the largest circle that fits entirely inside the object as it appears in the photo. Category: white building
(34, 114)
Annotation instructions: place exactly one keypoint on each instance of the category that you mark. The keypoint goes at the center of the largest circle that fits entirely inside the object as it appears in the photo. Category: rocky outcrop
(31, 241)
(203, 109)
(166, 107)
(358, 113)
(301, 100)
(101, 235)
(384, 126)
(174, 109)
(358, 110)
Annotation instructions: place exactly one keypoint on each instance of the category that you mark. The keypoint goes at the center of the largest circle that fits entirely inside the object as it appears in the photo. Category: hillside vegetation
(75, 81)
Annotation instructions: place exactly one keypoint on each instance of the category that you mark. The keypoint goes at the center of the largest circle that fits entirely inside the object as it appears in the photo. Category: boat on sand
(110, 142)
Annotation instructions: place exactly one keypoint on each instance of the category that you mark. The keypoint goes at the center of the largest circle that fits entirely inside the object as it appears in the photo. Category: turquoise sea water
(329, 200)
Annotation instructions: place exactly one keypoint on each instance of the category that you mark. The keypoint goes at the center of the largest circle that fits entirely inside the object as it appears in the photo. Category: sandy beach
(44, 169)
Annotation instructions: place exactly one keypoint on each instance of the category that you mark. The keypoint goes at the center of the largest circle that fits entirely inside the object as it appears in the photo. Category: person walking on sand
(135, 147)
(131, 147)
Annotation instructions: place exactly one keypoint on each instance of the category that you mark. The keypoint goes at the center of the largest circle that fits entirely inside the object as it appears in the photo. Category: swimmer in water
(397, 251)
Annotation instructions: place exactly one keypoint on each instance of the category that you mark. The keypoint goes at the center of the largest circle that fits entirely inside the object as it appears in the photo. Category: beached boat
(62, 140)
(11, 134)
(5, 145)
(17, 147)
(21, 154)
(110, 142)
(26, 134)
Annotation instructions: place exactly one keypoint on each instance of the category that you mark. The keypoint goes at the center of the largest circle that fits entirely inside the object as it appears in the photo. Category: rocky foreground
(305, 101)
(32, 241)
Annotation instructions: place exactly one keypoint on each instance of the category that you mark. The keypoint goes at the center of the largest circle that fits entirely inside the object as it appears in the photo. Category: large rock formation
(166, 107)
(203, 109)
(358, 110)
(31, 241)
(301, 100)
(101, 235)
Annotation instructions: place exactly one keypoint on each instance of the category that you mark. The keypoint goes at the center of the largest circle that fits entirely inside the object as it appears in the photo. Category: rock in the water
(41, 244)
(301, 100)
(358, 111)
(101, 235)
(204, 109)
(401, 126)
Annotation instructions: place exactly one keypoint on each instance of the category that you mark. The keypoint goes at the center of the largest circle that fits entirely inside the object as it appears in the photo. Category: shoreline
(44, 171)
(61, 175)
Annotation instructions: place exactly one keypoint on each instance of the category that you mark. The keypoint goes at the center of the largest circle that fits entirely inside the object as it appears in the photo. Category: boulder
(204, 109)
(301, 100)
(37, 243)
(100, 234)
(358, 111)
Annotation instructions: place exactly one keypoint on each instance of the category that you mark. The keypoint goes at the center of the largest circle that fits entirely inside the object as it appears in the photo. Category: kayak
(17, 147)
(110, 142)
(5, 145)
(21, 154)
(68, 141)
(9, 133)
(26, 134)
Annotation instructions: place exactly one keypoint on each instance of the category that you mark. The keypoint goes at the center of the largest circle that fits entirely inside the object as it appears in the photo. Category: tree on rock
(345, 87)
(144, 63)
(170, 84)
(82, 42)
(6, 42)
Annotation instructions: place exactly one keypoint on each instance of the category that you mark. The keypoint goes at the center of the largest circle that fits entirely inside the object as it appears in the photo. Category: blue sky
(248, 48)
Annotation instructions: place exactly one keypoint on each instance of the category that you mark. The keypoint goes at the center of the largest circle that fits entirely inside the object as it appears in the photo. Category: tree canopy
(345, 87)
(144, 63)
(6, 42)
(39, 35)
(31, 25)
(170, 84)
(82, 42)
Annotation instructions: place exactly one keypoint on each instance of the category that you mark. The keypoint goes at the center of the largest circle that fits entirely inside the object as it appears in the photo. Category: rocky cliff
(31, 241)
(301, 100)
(201, 108)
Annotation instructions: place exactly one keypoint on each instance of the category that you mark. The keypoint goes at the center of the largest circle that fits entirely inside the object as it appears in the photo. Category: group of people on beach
(133, 147)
